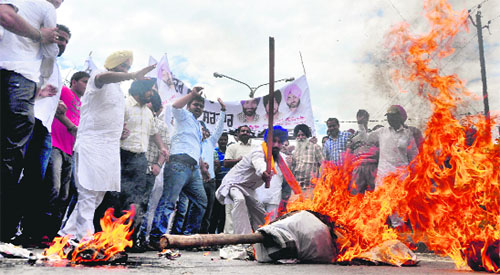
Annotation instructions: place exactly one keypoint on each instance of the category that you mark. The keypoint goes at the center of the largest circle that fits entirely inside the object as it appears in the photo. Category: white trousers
(228, 224)
(248, 213)
(80, 223)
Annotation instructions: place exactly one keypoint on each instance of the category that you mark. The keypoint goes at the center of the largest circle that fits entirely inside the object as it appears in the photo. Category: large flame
(450, 193)
(113, 239)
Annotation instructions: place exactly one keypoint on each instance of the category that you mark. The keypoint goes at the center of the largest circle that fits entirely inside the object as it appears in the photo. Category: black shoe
(154, 243)
(138, 247)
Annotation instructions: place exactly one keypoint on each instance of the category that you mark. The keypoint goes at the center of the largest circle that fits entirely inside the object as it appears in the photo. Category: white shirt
(397, 149)
(98, 139)
(45, 108)
(208, 145)
(21, 54)
(140, 122)
(246, 175)
(238, 150)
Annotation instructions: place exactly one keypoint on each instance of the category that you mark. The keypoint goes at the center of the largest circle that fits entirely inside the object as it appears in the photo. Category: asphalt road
(210, 263)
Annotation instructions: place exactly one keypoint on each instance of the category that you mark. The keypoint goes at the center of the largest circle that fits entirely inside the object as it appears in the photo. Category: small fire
(56, 250)
(449, 195)
(113, 239)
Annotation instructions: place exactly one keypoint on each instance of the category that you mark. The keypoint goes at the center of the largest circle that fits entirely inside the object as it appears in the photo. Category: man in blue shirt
(208, 149)
(183, 172)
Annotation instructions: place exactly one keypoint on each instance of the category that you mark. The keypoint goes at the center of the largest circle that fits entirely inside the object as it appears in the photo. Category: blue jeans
(35, 165)
(17, 120)
(58, 179)
(180, 214)
(179, 177)
(183, 209)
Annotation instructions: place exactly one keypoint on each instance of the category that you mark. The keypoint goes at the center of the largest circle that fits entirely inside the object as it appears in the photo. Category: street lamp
(252, 89)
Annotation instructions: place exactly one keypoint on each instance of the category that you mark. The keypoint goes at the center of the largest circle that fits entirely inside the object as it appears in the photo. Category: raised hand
(141, 73)
(197, 91)
(222, 105)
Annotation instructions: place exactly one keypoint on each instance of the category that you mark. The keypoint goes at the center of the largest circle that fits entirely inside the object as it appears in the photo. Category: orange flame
(56, 250)
(114, 238)
(450, 193)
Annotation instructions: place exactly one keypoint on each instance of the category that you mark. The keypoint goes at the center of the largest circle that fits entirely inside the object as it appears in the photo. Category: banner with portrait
(292, 106)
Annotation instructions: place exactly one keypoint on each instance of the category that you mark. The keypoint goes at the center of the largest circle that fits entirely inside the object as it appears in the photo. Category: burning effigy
(449, 195)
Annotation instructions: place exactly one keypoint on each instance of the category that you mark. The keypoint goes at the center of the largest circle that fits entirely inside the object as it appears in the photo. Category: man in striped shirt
(307, 157)
(336, 144)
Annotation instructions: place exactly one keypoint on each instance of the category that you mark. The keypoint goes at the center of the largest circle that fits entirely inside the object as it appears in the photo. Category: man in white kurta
(239, 185)
(397, 149)
(97, 147)
(234, 153)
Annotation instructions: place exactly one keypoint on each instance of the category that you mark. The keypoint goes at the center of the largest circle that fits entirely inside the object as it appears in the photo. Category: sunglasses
(124, 66)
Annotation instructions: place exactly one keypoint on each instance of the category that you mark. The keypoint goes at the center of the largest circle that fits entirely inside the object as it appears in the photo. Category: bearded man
(249, 111)
(238, 186)
(307, 157)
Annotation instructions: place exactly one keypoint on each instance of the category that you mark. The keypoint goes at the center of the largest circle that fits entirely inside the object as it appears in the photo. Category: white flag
(89, 65)
(153, 73)
(169, 86)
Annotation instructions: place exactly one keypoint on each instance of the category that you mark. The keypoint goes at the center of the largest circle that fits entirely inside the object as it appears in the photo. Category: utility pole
(481, 60)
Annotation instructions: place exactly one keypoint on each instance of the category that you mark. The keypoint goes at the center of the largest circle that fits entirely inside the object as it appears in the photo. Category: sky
(341, 43)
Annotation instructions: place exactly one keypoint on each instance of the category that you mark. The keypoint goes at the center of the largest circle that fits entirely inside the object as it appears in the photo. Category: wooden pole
(271, 110)
(182, 241)
(483, 65)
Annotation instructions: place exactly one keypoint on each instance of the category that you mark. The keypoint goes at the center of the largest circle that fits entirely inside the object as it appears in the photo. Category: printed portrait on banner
(248, 112)
(292, 106)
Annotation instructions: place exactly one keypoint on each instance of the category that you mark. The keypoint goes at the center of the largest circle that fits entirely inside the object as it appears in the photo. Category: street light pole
(252, 89)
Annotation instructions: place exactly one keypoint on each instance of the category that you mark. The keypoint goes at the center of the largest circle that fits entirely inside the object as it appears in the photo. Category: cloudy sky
(342, 45)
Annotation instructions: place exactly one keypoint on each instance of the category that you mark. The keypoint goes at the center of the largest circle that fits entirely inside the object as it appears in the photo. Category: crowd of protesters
(69, 153)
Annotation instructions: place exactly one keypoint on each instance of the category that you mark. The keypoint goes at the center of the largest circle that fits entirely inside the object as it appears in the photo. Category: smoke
(463, 62)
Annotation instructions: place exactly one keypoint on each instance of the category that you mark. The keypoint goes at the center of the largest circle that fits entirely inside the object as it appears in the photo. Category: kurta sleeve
(259, 162)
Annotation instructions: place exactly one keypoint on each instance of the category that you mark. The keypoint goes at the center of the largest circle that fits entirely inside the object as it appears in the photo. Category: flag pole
(271, 110)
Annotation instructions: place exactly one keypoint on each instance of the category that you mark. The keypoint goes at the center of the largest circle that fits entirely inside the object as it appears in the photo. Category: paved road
(200, 263)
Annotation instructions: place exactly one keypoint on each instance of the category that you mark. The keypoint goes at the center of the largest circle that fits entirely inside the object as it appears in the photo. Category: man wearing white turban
(97, 146)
